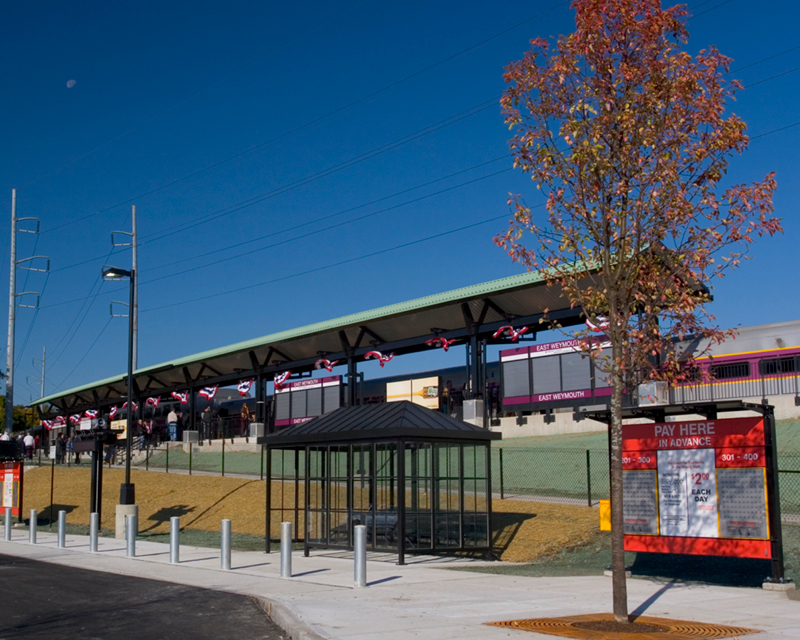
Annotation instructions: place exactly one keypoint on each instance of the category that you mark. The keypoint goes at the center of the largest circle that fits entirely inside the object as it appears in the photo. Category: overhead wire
(83, 357)
(319, 119)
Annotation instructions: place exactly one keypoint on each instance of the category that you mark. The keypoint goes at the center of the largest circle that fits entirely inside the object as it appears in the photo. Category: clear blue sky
(228, 122)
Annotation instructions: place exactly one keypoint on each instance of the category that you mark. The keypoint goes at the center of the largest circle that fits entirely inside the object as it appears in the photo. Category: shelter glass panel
(546, 374)
(419, 495)
(476, 504)
(338, 490)
(317, 500)
(447, 481)
(363, 488)
(382, 528)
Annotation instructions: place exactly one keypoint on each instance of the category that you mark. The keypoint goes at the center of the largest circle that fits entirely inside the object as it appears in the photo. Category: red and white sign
(696, 487)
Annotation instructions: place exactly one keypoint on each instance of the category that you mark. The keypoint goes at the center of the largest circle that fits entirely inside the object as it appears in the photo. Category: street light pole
(127, 491)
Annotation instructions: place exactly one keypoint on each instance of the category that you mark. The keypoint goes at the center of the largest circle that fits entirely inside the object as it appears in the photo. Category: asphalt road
(41, 600)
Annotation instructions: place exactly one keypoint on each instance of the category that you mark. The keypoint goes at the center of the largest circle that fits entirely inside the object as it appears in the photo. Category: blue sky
(258, 126)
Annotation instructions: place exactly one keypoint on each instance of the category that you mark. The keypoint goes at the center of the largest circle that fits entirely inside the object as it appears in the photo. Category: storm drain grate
(601, 626)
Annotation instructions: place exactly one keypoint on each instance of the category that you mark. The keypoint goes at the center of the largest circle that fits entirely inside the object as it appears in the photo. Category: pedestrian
(4, 437)
(245, 418)
(208, 418)
(29, 443)
(61, 448)
(172, 425)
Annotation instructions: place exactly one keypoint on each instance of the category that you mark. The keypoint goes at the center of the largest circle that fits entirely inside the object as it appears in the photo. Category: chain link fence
(568, 475)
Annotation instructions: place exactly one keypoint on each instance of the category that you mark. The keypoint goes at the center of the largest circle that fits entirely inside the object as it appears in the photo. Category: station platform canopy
(467, 314)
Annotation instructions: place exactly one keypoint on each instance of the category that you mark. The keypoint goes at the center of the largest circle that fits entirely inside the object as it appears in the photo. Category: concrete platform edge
(287, 619)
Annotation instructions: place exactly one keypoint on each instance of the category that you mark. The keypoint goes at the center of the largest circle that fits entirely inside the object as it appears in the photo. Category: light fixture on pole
(126, 491)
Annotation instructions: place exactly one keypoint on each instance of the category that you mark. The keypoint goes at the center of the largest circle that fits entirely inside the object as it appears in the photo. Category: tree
(629, 138)
(24, 418)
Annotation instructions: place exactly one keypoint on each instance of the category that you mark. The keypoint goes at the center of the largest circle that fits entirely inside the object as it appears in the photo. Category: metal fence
(568, 475)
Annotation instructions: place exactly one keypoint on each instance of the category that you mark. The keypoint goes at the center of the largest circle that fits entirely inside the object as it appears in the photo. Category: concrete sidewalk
(419, 600)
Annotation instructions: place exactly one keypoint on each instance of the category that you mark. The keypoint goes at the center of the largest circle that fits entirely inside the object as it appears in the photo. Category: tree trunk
(619, 585)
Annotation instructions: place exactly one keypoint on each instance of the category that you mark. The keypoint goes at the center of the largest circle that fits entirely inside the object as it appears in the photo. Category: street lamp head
(114, 273)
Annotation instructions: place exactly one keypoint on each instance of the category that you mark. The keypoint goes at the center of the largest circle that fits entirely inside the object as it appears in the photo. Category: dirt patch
(523, 531)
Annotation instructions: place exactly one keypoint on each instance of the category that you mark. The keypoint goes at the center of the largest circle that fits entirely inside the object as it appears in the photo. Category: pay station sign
(697, 487)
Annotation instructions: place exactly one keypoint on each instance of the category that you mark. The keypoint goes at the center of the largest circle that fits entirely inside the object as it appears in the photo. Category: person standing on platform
(172, 425)
(208, 418)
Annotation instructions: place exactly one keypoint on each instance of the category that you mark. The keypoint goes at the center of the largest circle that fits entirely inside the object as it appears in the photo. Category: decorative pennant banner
(75, 418)
(48, 424)
(280, 378)
(511, 332)
(152, 402)
(208, 392)
(383, 359)
(444, 343)
(183, 396)
(112, 412)
(135, 406)
(326, 364)
(600, 324)
(245, 386)
(90, 413)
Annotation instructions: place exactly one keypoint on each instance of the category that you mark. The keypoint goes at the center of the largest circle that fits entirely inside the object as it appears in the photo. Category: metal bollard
(131, 529)
(174, 540)
(360, 549)
(225, 550)
(8, 525)
(62, 529)
(32, 526)
(286, 549)
(94, 531)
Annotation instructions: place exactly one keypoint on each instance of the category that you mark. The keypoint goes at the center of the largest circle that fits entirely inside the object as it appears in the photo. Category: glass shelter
(418, 479)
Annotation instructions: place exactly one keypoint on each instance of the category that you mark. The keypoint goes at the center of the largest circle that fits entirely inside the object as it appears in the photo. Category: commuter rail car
(762, 361)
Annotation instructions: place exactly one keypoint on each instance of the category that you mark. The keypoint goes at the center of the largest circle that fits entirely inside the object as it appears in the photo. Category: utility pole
(12, 308)
(134, 309)
(12, 303)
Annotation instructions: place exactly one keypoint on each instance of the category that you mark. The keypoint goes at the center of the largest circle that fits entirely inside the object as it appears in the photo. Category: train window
(730, 370)
(774, 366)
(546, 374)
(575, 372)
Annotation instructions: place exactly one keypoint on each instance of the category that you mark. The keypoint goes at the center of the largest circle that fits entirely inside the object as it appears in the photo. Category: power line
(753, 64)
(310, 122)
(324, 229)
(86, 353)
(339, 213)
(777, 75)
(225, 211)
(696, 15)
(330, 266)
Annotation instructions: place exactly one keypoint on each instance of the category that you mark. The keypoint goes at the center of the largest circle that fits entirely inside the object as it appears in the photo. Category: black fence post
(147, 459)
(502, 478)
(223, 457)
(262, 463)
(168, 457)
(589, 477)
(190, 458)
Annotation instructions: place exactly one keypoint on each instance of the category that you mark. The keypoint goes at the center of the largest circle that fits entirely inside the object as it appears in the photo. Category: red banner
(697, 434)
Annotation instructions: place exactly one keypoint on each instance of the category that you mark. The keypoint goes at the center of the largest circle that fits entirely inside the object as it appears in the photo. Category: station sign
(303, 400)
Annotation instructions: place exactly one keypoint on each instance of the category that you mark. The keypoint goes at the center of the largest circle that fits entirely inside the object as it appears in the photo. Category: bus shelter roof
(478, 310)
(386, 421)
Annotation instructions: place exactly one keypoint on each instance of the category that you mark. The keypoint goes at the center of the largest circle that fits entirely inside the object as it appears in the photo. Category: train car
(761, 361)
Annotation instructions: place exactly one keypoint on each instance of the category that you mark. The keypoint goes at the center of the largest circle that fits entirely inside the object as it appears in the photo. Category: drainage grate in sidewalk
(601, 626)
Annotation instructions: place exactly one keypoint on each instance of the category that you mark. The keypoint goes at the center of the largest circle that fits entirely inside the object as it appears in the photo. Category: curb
(287, 619)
